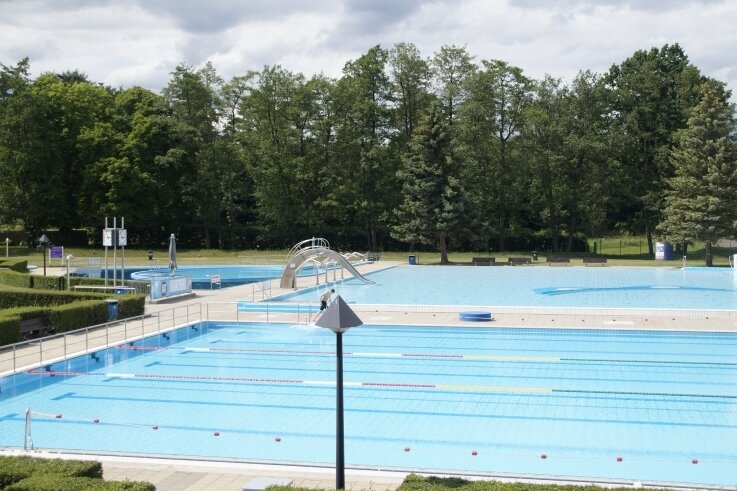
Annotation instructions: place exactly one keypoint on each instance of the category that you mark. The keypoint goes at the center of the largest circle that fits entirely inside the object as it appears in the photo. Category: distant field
(629, 251)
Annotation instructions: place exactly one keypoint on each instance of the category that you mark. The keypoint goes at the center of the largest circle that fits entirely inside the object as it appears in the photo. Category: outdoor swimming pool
(617, 404)
(576, 286)
(230, 275)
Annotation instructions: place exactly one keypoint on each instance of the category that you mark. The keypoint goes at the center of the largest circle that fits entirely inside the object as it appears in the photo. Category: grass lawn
(630, 251)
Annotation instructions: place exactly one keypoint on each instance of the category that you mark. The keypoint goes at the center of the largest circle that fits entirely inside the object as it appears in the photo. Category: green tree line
(445, 150)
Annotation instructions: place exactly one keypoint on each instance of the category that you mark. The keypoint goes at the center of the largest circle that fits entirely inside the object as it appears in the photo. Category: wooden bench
(557, 260)
(483, 261)
(518, 260)
(31, 328)
(594, 260)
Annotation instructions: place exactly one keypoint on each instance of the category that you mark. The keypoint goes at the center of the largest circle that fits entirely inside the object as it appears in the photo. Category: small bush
(57, 482)
(16, 468)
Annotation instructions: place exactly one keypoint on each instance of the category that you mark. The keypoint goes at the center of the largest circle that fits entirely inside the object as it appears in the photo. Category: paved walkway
(179, 475)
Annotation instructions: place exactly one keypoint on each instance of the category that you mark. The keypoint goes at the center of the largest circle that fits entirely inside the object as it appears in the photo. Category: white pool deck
(200, 475)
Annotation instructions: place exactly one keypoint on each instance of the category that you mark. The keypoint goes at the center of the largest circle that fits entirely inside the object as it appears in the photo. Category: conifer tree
(701, 196)
(432, 193)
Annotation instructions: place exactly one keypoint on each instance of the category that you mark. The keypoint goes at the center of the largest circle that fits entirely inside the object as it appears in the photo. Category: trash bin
(412, 259)
(150, 255)
(121, 290)
(112, 309)
(534, 255)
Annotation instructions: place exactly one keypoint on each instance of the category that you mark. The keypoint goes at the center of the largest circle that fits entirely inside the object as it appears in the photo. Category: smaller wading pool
(594, 404)
(229, 275)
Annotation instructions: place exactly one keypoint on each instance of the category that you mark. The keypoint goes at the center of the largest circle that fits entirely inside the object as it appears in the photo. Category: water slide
(302, 253)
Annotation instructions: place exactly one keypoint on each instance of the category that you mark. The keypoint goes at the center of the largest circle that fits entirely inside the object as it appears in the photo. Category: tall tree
(701, 196)
(451, 67)
(411, 84)
(432, 193)
(365, 186)
(492, 116)
(653, 91)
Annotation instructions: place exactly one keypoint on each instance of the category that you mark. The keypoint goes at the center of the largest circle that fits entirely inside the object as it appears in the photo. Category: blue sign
(170, 286)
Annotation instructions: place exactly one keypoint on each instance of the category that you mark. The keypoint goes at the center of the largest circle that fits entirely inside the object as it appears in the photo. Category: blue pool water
(415, 397)
(229, 275)
(603, 287)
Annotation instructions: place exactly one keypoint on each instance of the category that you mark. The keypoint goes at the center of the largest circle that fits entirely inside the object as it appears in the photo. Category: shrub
(16, 468)
(130, 305)
(9, 330)
(14, 278)
(76, 315)
(56, 482)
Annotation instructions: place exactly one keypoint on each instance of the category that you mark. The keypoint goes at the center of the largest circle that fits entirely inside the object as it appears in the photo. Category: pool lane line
(391, 385)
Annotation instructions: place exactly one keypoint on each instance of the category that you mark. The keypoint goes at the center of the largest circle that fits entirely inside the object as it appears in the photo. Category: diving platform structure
(317, 253)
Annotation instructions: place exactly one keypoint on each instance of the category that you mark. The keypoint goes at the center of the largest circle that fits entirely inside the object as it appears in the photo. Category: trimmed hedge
(413, 482)
(56, 482)
(16, 468)
(21, 473)
(14, 278)
(75, 315)
(15, 265)
(9, 330)
(62, 311)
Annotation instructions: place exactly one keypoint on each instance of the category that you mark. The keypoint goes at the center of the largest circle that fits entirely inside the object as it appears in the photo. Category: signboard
(114, 237)
(169, 286)
(56, 252)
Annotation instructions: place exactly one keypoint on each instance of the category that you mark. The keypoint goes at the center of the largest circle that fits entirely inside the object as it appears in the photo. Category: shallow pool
(575, 286)
(608, 404)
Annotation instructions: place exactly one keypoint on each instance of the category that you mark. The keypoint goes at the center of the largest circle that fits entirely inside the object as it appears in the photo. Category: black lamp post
(43, 241)
(339, 318)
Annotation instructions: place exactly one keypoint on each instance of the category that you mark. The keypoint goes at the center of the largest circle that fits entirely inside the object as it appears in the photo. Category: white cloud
(139, 42)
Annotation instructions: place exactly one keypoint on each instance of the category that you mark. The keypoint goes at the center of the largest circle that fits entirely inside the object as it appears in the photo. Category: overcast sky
(139, 42)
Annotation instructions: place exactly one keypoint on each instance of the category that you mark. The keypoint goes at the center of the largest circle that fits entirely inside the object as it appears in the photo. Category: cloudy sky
(139, 42)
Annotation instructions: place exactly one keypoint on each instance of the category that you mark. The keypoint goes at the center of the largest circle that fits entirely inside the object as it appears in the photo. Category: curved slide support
(289, 278)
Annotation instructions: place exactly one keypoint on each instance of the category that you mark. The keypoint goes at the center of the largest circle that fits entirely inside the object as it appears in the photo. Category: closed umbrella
(172, 253)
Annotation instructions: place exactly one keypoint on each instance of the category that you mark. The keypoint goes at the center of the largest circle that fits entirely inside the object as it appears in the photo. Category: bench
(483, 261)
(557, 260)
(594, 260)
(30, 328)
(372, 257)
(518, 260)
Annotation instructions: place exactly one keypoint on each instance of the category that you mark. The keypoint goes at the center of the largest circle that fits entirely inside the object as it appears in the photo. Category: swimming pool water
(415, 397)
(602, 287)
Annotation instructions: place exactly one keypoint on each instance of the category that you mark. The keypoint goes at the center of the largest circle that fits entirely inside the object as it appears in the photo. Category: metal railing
(27, 355)
(57, 347)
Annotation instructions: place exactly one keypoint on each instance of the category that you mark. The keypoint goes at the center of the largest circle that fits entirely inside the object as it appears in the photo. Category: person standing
(325, 299)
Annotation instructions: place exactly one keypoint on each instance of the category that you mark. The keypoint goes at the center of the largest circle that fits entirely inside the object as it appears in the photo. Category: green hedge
(21, 266)
(9, 330)
(82, 310)
(16, 468)
(25, 298)
(21, 473)
(55, 482)
(14, 278)
(75, 315)
(413, 482)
